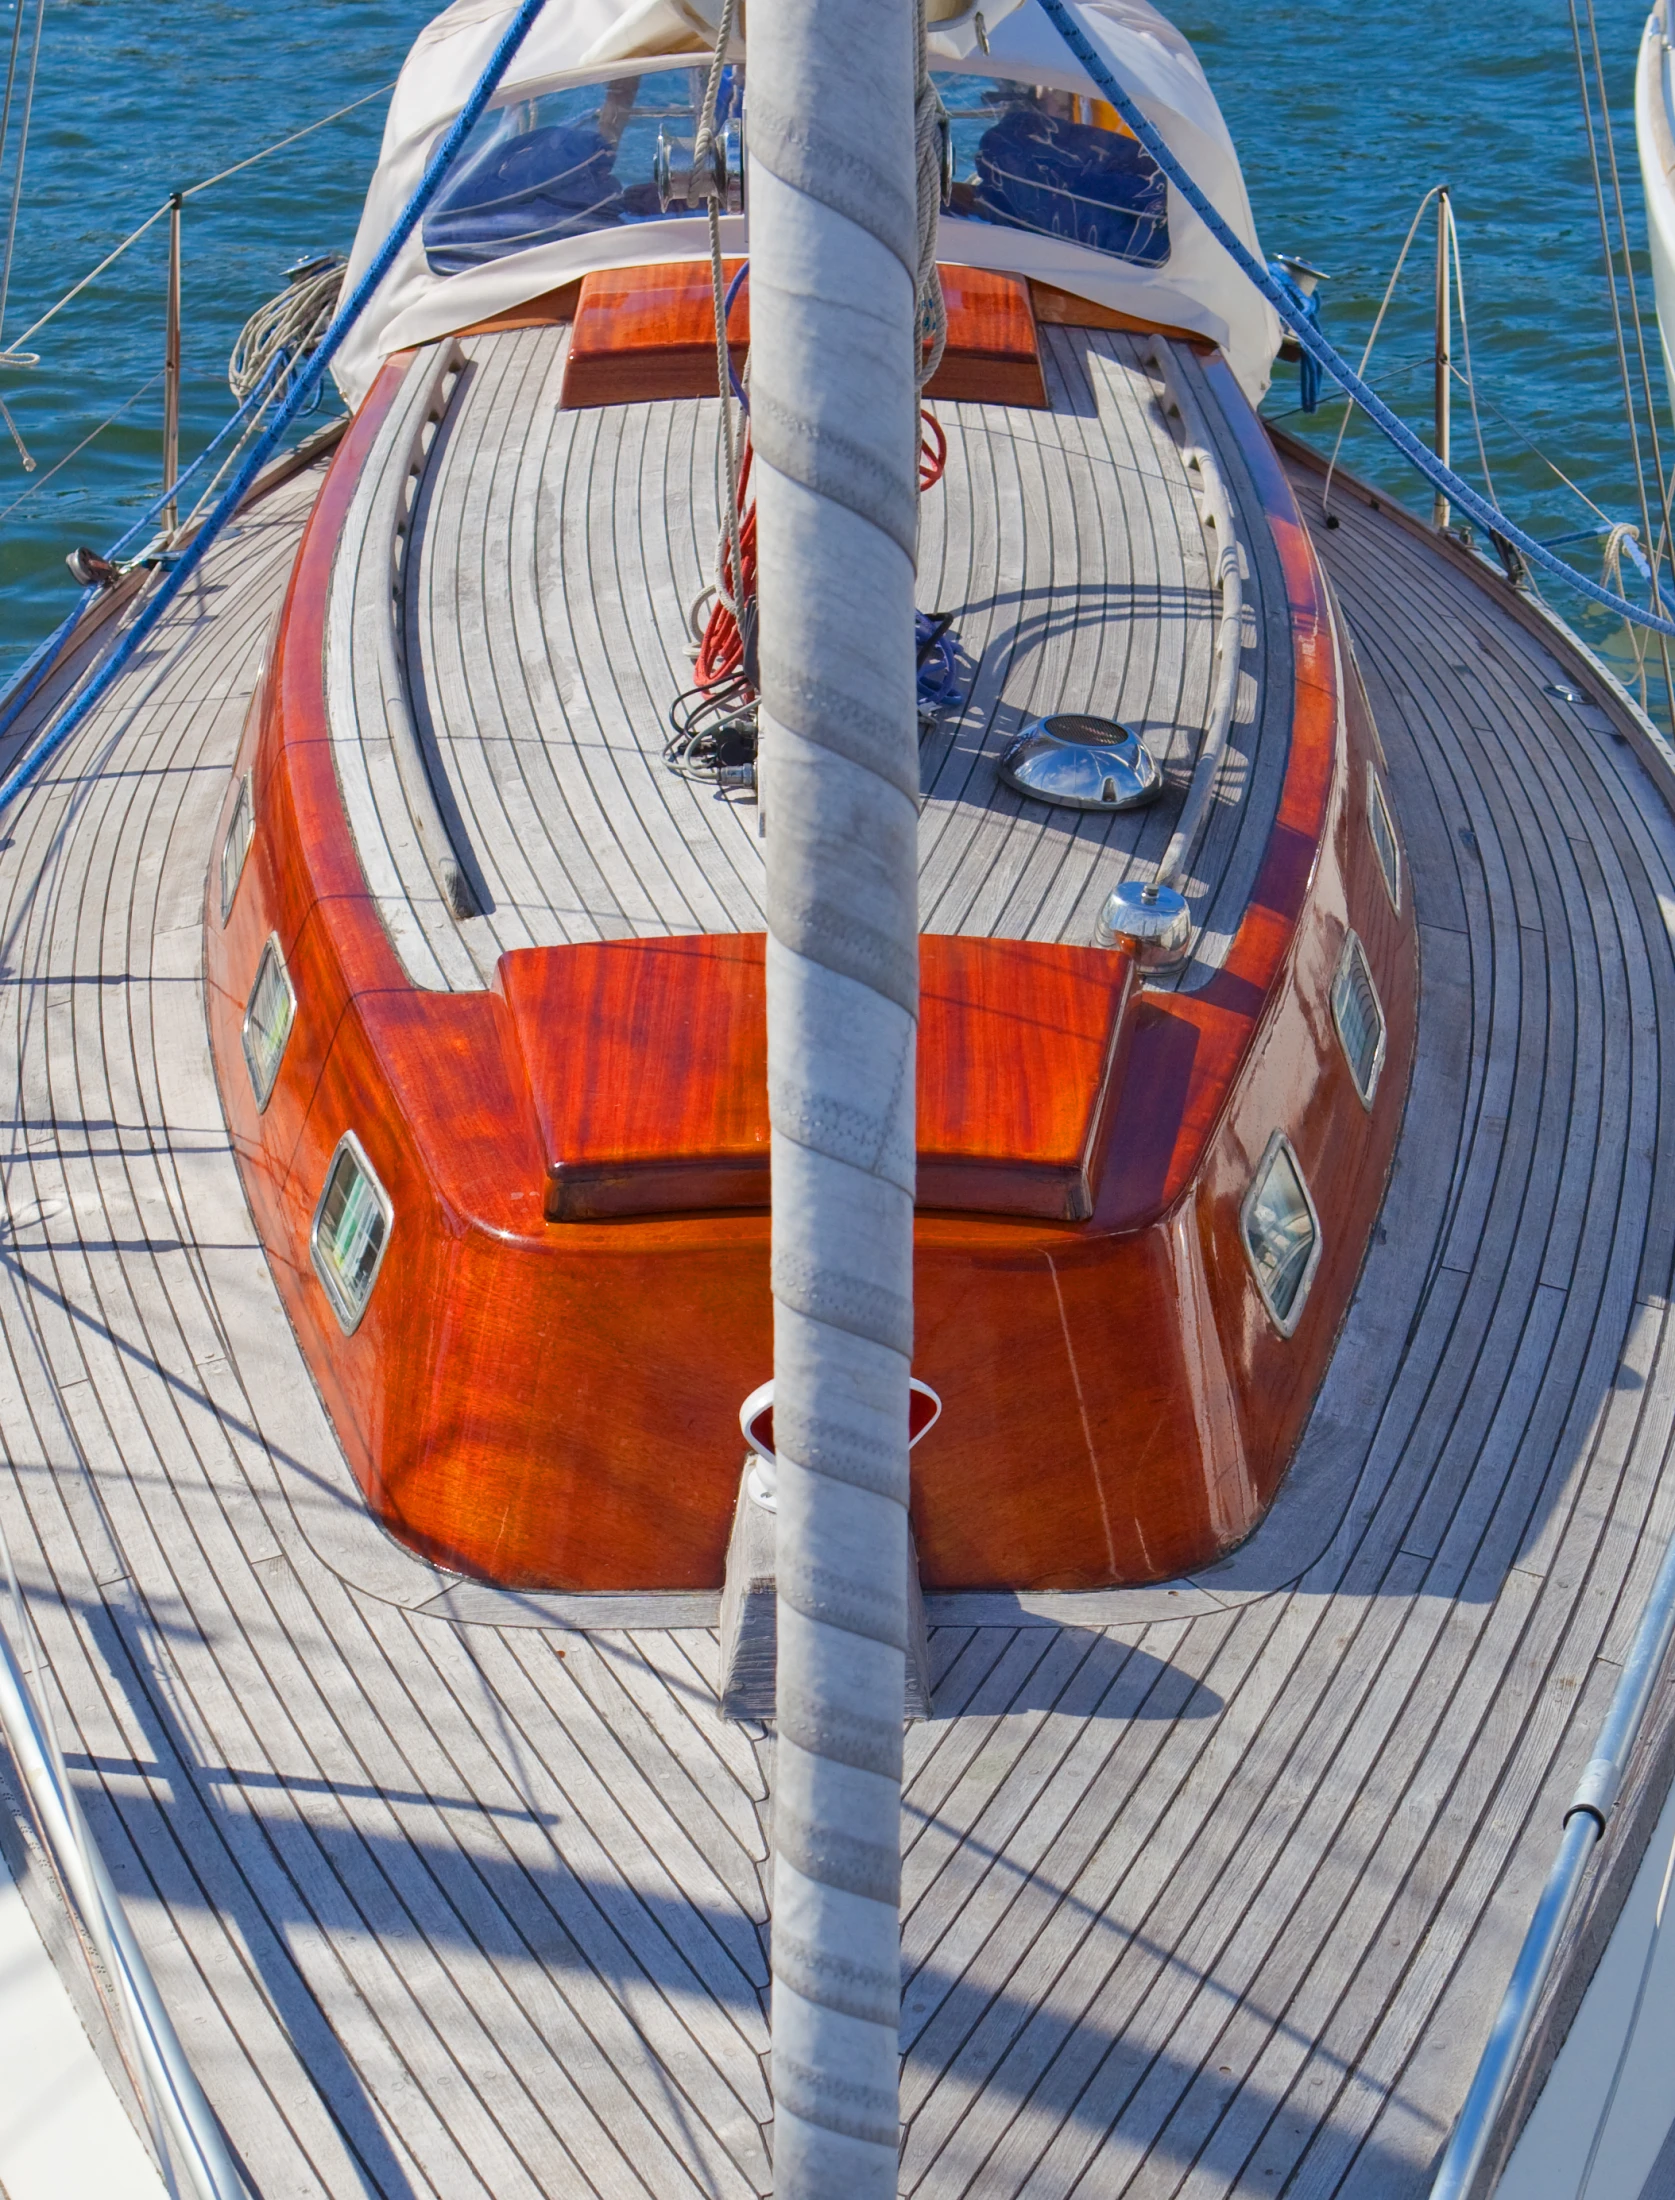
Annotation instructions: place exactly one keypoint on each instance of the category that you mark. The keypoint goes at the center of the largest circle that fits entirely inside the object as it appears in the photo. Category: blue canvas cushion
(1067, 179)
(548, 183)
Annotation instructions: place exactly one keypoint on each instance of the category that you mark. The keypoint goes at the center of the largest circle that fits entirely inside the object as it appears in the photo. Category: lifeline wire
(109, 421)
(1458, 491)
(302, 388)
(44, 655)
(134, 235)
(1378, 323)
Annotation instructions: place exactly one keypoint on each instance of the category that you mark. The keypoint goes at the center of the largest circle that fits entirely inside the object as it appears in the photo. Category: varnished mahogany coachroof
(522, 1397)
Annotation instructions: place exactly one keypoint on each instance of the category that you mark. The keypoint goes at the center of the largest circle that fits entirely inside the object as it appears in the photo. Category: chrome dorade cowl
(1082, 763)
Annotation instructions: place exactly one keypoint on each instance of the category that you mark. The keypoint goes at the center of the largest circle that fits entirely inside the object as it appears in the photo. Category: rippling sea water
(1344, 117)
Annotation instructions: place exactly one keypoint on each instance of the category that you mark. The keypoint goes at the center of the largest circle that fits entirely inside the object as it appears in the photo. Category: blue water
(1343, 116)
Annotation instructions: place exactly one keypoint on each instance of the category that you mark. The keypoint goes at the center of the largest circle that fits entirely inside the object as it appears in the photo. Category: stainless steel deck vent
(1080, 763)
(1152, 922)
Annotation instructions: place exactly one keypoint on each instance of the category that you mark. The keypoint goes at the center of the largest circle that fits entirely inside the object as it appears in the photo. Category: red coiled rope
(721, 652)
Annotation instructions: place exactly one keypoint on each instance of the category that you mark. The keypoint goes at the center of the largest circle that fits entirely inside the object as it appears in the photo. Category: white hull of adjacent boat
(63, 2132)
(1654, 128)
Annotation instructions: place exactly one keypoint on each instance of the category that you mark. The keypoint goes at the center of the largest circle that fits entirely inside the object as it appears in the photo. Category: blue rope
(252, 404)
(296, 398)
(1306, 302)
(1316, 346)
(733, 289)
(40, 659)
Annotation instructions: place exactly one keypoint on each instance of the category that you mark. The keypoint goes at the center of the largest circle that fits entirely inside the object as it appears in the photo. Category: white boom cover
(576, 40)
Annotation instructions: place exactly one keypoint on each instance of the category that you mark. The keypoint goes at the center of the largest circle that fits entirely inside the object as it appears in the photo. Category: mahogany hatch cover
(648, 332)
(645, 332)
(992, 355)
(647, 1062)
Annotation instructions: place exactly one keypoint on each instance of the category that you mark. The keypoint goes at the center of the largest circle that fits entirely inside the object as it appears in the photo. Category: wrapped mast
(835, 250)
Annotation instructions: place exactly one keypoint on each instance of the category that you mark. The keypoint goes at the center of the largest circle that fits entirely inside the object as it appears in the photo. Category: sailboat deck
(550, 563)
(1214, 1889)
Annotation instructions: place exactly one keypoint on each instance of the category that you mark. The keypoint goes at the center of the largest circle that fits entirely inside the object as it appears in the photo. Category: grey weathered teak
(1213, 1888)
(547, 576)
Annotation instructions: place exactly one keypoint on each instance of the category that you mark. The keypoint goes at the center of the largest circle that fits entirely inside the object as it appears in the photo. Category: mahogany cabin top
(536, 511)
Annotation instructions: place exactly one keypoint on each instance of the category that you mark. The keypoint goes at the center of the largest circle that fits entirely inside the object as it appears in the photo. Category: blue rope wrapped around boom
(295, 401)
(1460, 493)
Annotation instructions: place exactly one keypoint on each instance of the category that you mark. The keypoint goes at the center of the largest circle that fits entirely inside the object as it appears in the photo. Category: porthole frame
(1286, 1324)
(1353, 950)
(1378, 807)
(349, 1318)
(244, 807)
(271, 949)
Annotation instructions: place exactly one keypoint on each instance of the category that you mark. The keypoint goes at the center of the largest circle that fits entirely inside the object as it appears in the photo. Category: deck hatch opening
(351, 1231)
(1281, 1233)
(1386, 846)
(1359, 1016)
(235, 845)
(268, 1018)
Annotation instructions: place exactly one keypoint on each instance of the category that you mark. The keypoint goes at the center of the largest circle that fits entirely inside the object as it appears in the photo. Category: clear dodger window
(1359, 1017)
(1281, 1234)
(267, 1022)
(565, 164)
(236, 846)
(351, 1231)
(1025, 157)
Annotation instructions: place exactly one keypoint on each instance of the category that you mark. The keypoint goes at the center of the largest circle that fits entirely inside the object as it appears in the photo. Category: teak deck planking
(1193, 1905)
(549, 575)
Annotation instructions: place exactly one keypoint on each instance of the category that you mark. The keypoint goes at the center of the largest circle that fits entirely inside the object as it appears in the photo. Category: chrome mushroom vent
(1082, 763)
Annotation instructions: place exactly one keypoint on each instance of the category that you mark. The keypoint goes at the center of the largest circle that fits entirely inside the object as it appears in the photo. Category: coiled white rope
(292, 323)
(930, 120)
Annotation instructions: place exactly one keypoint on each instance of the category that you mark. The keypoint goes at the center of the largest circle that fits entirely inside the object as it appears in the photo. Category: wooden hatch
(1019, 1043)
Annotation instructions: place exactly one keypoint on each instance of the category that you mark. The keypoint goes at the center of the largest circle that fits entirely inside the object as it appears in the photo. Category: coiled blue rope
(1306, 302)
(295, 400)
(1459, 492)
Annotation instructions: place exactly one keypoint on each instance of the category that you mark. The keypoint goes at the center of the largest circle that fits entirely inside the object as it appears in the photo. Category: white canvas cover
(575, 41)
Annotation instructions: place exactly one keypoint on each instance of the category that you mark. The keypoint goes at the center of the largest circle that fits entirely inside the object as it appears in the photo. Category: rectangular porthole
(351, 1230)
(1281, 1233)
(1386, 846)
(1359, 1017)
(236, 845)
(267, 1022)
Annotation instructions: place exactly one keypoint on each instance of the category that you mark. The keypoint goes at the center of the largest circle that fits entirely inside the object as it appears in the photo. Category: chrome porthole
(1281, 1234)
(235, 844)
(268, 1017)
(1359, 1016)
(351, 1232)
(1386, 846)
